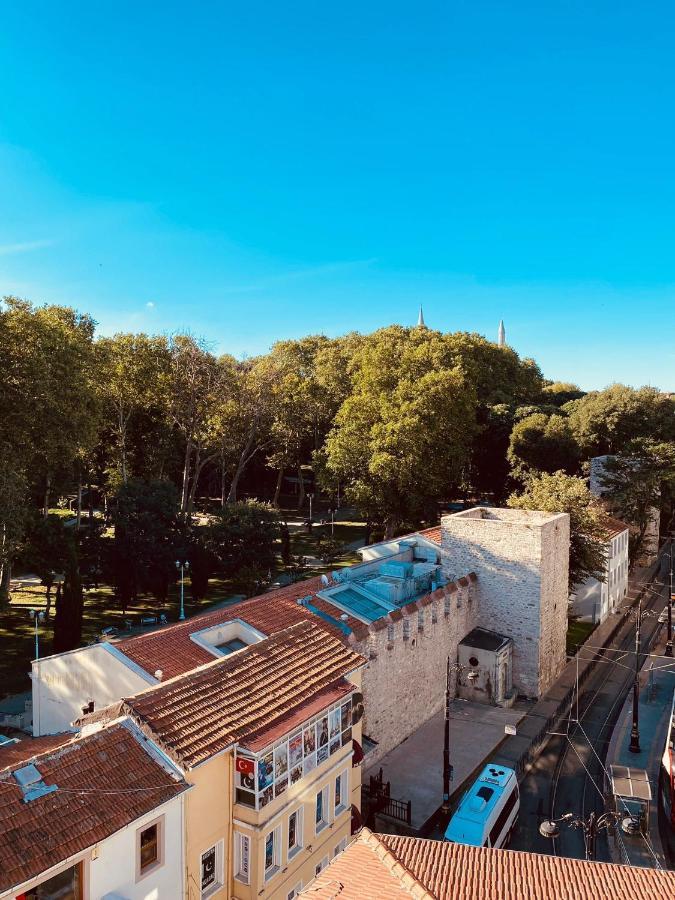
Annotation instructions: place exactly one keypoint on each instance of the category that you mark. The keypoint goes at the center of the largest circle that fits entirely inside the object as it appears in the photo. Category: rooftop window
(228, 637)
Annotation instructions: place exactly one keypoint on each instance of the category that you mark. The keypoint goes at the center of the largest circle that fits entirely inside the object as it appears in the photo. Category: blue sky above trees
(259, 171)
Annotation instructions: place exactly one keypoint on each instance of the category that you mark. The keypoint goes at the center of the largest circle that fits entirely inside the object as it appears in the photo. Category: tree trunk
(195, 481)
(5, 577)
(223, 496)
(49, 601)
(186, 475)
(48, 484)
(390, 528)
(79, 503)
(123, 447)
(90, 501)
(277, 490)
(244, 458)
(301, 488)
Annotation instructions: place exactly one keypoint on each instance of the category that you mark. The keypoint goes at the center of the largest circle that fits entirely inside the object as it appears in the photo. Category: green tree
(69, 605)
(558, 393)
(561, 493)
(401, 439)
(148, 539)
(133, 378)
(543, 443)
(47, 548)
(605, 422)
(13, 517)
(636, 482)
(243, 535)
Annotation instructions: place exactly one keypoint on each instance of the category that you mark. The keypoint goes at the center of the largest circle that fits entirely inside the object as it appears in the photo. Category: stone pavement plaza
(415, 767)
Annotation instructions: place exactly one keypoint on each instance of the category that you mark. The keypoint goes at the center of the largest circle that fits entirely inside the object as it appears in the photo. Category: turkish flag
(245, 766)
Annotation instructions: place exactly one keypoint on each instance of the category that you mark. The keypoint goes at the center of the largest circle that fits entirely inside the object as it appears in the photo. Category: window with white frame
(321, 866)
(294, 842)
(341, 791)
(212, 870)
(294, 892)
(242, 857)
(321, 810)
(272, 860)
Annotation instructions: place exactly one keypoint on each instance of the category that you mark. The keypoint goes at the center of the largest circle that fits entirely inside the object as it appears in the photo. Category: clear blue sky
(255, 171)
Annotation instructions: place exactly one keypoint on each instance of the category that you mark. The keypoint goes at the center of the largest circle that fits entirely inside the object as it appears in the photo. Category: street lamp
(182, 566)
(590, 827)
(38, 616)
(639, 614)
(311, 497)
(447, 768)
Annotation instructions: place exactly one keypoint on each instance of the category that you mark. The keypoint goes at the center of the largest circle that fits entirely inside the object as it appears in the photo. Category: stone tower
(501, 334)
(420, 319)
(521, 559)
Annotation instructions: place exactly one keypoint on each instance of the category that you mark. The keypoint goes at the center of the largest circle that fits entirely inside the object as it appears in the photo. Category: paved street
(566, 773)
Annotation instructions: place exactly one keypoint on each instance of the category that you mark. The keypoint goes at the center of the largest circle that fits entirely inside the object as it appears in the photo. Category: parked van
(488, 811)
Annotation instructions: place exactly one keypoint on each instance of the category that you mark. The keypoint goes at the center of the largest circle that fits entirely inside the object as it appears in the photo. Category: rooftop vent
(30, 781)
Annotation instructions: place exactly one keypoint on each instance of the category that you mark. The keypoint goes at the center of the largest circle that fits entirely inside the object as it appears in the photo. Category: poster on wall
(321, 755)
(265, 772)
(322, 732)
(280, 760)
(346, 715)
(335, 722)
(334, 744)
(310, 763)
(310, 741)
(295, 750)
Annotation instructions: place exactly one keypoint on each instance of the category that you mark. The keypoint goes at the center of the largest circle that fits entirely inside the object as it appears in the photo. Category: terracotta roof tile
(374, 867)
(37, 835)
(236, 698)
(613, 527)
(172, 650)
(432, 534)
(27, 748)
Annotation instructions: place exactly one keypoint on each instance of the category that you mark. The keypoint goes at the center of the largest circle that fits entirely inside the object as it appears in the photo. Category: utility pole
(447, 768)
(634, 745)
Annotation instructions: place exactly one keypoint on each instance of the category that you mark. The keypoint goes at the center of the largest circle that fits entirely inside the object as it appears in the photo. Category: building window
(406, 629)
(294, 832)
(420, 620)
(321, 814)
(446, 605)
(68, 883)
(391, 633)
(341, 792)
(272, 859)
(294, 892)
(321, 866)
(149, 847)
(434, 613)
(212, 870)
(242, 857)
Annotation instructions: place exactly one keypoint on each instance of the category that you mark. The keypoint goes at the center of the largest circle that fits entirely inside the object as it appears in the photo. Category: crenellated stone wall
(521, 558)
(404, 682)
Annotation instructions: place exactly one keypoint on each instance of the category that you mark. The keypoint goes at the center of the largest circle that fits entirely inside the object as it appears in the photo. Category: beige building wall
(208, 819)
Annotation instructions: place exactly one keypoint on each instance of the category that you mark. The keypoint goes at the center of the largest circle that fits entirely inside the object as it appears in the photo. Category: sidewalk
(655, 701)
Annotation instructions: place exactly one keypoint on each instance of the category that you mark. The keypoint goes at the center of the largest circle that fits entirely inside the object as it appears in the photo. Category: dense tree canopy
(543, 443)
(559, 492)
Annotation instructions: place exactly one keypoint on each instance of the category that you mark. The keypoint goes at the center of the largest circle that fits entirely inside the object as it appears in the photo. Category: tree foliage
(543, 443)
(635, 483)
(558, 492)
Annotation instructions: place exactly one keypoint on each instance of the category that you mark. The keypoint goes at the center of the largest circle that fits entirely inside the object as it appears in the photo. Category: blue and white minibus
(488, 811)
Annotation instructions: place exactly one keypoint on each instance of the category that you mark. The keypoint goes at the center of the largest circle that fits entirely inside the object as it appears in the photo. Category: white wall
(594, 600)
(63, 684)
(110, 867)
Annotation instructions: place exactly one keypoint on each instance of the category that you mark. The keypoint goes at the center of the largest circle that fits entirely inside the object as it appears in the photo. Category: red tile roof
(432, 534)
(172, 650)
(100, 781)
(613, 527)
(27, 748)
(391, 867)
(237, 698)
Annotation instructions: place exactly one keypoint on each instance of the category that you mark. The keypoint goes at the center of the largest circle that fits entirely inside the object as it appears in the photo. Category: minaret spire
(420, 319)
(501, 334)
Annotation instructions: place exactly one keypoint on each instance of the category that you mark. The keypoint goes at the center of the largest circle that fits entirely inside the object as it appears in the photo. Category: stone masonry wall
(520, 558)
(404, 681)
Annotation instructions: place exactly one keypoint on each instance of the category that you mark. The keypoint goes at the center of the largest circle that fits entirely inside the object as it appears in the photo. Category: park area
(102, 609)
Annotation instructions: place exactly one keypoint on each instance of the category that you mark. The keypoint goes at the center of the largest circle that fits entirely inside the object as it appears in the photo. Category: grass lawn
(577, 632)
(17, 641)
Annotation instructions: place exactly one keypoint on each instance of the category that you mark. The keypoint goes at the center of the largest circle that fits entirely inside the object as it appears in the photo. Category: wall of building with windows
(293, 804)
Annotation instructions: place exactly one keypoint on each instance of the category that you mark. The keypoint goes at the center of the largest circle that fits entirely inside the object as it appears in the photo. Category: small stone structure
(486, 661)
(521, 558)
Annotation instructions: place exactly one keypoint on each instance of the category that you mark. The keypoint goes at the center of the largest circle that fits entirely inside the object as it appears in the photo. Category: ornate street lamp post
(182, 566)
(590, 827)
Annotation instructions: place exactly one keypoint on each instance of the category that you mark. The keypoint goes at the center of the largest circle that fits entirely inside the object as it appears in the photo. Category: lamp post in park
(634, 745)
(38, 617)
(182, 566)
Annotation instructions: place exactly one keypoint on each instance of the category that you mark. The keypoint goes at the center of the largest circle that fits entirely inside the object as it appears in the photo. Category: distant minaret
(420, 319)
(501, 334)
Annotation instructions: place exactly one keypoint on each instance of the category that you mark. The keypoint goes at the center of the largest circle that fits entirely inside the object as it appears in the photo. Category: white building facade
(594, 600)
